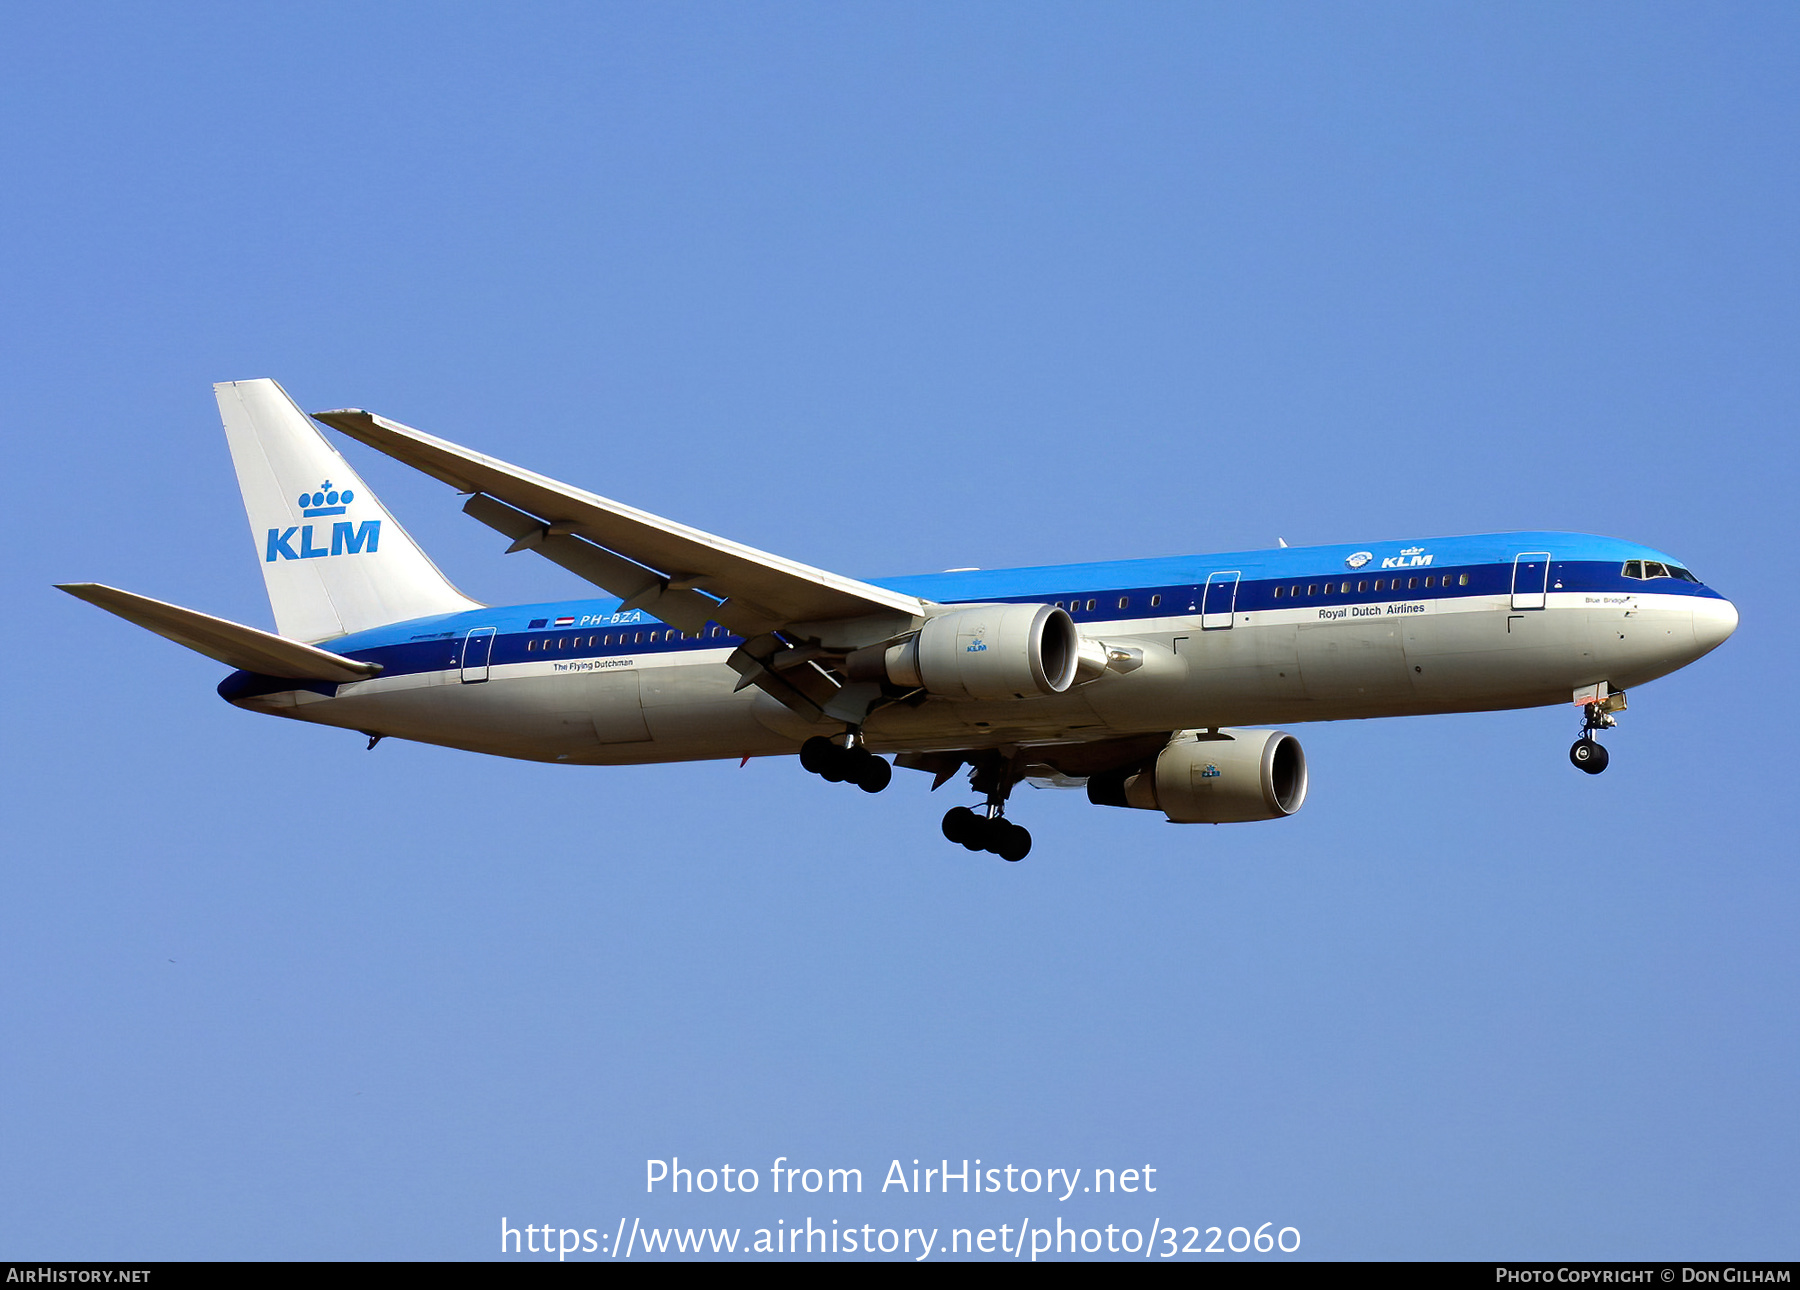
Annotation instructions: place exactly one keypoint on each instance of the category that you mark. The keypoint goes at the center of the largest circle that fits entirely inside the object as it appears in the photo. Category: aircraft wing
(231, 643)
(679, 574)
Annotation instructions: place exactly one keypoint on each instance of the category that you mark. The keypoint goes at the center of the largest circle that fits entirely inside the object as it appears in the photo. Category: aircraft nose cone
(1714, 620)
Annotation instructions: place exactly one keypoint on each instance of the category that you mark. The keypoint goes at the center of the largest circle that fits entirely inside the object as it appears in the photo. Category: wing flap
(219, 638)
(638, 587)
(759, 591)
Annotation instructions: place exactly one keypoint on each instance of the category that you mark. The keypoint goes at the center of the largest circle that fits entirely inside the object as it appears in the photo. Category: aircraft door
(1219, 602)
(478, 649)
(1531, 579)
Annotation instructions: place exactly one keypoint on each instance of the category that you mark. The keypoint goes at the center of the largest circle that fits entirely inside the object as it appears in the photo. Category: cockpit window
(1647, 569)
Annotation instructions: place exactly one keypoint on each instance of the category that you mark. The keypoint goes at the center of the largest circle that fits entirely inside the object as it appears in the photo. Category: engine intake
(1219, 777)
(982, 652)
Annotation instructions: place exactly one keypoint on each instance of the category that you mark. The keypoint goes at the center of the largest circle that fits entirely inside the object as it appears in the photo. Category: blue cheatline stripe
(435, 644)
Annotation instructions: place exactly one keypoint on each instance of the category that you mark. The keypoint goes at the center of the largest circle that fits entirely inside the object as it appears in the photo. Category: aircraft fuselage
(1251, 638)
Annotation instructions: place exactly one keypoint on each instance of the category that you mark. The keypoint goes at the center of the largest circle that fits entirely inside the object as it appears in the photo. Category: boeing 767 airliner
(1138, 678)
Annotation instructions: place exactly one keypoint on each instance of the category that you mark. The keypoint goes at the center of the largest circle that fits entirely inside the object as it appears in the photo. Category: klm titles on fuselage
(1413, 557)
(1370, 611)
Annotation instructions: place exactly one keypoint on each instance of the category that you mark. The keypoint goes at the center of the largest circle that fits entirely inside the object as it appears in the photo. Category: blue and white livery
(1143, 680)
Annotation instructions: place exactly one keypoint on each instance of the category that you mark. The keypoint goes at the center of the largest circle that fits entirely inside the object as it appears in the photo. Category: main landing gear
(993, 833)
(1587, 754)
(989, 829)
(993, 776)
(845, 763)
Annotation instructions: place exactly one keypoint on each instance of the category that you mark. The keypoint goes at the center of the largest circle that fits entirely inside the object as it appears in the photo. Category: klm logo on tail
(347, 537)
(327, 501)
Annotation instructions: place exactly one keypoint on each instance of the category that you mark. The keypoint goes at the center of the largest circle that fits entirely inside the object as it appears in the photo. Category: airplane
(1154, 683)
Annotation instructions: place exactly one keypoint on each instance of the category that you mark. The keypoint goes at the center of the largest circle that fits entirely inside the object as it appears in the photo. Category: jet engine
(981, 652)
(1212, 777)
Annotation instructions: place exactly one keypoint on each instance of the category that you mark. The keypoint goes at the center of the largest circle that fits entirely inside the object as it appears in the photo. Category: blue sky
(891, 289)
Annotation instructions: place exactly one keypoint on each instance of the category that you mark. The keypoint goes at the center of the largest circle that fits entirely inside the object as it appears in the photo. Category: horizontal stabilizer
(231, 643)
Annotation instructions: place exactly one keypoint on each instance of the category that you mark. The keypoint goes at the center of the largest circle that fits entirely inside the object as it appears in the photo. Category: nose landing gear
(1587, 754)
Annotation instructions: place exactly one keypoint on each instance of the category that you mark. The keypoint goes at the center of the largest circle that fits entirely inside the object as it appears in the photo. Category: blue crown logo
(327, 501)
(1211, 771)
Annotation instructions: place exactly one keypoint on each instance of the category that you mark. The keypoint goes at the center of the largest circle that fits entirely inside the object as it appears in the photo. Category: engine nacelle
(1203, 777)
(982, 652)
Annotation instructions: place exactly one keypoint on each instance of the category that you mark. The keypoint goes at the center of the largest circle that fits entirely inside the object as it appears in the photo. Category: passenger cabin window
(1155, 601)
(1278, 592)
(1124, 601)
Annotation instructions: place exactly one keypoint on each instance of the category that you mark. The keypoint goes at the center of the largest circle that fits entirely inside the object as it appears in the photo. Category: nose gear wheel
(1587, 754)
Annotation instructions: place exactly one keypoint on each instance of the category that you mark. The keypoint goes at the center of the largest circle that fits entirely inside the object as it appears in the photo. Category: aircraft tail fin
(334, 560)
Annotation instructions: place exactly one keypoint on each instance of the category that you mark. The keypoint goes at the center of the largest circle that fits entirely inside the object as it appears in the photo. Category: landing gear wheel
(975, 832)
(873, 773)
(1588, 755)
(1014, 844)
(817, 753)
(961, 824)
